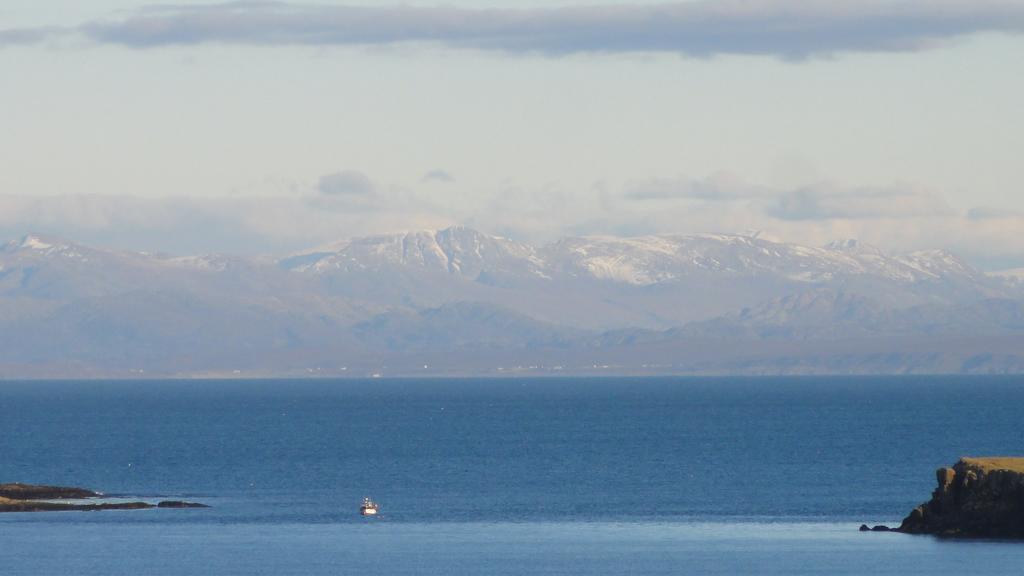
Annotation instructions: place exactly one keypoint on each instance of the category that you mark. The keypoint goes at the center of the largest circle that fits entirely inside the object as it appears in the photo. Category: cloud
(197, 225)
(822, 201)
(826, 202)
(346, 183)
(896, 220)
(175, 225)
(992, 213)
(351, 192)
(721, 187)
(27, 36)
(438, 176)
(782, 28)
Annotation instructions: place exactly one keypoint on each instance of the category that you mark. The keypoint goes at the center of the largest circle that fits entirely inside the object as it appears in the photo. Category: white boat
(369, 507)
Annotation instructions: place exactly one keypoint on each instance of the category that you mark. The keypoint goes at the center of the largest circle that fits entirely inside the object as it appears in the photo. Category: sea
(501, 476)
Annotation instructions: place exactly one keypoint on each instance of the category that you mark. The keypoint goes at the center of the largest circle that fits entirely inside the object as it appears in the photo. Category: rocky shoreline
(976, 498)
(18, 497)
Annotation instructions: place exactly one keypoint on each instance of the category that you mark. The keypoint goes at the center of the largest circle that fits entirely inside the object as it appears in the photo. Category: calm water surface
(563, 476)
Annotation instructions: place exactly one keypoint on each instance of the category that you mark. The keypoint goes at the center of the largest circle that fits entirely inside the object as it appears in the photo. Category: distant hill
(456, 301)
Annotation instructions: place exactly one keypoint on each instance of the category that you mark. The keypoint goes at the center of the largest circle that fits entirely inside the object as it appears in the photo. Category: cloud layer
(895, 218)
(830, 203)
(782, 28)
(346, 183)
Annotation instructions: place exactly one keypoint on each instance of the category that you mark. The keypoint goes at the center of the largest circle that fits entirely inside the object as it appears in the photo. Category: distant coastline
(56, 374)
(458, 302)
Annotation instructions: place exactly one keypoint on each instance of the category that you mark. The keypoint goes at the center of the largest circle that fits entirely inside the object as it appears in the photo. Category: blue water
(547, 476)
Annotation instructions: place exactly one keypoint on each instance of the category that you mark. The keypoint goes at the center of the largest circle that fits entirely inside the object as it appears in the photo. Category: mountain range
(460, 302)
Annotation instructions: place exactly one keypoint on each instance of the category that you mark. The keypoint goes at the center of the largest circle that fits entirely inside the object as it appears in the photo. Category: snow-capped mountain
(605, 283)
(1014, 276)
(657, 259)
(456, 250)
(639, 261)
(45, 246)
(472, 302)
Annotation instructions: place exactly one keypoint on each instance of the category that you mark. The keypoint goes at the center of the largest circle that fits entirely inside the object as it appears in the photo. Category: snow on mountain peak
(854, 246)
(639, 261)
(842, 245)
(35, 243)
(207, 262)
(1011, 276)
(455, 250)
(655, 259)
(42, 245)
(937, 263)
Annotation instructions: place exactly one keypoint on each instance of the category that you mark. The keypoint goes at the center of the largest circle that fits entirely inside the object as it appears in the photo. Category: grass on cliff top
(989, 464)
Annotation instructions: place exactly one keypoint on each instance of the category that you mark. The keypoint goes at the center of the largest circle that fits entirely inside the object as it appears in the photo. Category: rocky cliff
(977, 497)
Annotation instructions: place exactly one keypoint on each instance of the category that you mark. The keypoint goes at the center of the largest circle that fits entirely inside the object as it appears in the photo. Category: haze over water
(555, 476)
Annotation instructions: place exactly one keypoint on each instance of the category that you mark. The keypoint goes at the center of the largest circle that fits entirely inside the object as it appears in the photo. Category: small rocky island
(976, 498)
(30, 498)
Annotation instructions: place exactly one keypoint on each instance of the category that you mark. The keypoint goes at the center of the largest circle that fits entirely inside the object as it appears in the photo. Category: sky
(269, 127)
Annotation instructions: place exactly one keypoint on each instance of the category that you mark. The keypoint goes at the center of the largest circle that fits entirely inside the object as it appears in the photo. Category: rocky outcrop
(11, 505)
(180, 504)
(18, 491)
(976, 498)
(878, 528)
(30, 498)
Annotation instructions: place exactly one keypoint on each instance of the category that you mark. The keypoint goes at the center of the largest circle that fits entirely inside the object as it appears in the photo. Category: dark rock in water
(878, 528)
(18, 491)
(10, 505)
(977, 497)
(180, 504)
(29, 498)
